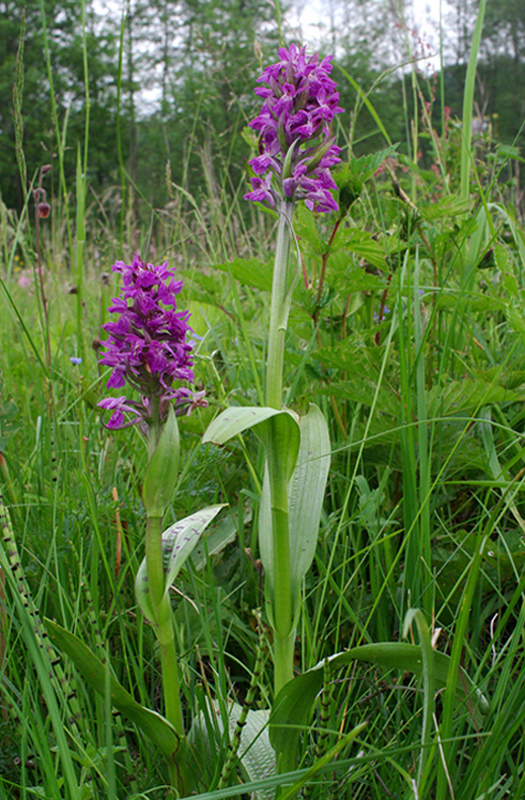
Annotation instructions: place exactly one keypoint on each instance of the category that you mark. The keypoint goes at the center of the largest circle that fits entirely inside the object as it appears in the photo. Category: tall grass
(414, 350)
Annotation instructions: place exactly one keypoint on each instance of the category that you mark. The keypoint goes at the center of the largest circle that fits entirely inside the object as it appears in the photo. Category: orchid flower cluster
(296, 146)
(147, 346)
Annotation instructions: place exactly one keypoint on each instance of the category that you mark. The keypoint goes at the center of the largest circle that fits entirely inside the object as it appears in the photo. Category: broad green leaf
(237, 419)
(306, 493)
(249, 272)
(281, 436)
(162, 471)
(265, 535)
(178, 542)
(306, 490)
(293, 704)
(158, 729)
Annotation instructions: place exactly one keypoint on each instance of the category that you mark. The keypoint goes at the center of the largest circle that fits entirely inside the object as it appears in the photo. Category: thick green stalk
(163, 622)
(282, 600)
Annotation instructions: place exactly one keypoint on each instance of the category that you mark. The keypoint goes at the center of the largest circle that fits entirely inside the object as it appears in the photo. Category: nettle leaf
(449, 206)
(293, 705)
(365, 166)
(178, 543)
(9, 424)
(156, 727)
(360, 243)
(249, 272)
(306, 230)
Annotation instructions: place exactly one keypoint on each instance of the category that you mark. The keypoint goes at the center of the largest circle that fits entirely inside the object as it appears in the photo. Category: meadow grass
(412, 344)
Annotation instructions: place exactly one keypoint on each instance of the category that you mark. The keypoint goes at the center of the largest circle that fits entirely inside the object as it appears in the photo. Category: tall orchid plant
(296, 152)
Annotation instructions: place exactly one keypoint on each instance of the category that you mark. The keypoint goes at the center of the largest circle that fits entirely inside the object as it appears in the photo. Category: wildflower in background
(147, 346)
(75, 360)
(296, 146)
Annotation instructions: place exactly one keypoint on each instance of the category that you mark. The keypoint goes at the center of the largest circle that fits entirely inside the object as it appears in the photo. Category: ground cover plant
(262, 527)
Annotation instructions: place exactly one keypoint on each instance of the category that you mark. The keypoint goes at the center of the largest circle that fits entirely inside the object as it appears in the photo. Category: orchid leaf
(256, 754)
(238, 419)
(153, 725)
(162, 471)
(224, 533)
(294, 703)
(178, 542)
(306, 493)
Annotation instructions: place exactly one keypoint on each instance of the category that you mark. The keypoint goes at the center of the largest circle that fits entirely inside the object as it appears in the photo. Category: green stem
(283, 650)
(163, 623)
(282, 600)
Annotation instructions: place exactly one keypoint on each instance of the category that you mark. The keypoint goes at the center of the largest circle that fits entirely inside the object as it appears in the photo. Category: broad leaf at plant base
(256, 754)
(158, 729)
(293, 704)
(306, 493)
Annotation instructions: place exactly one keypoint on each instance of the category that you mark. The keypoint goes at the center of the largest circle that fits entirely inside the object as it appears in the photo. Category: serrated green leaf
(8, 414)
(178, 543)
(158, 729)
(249, 272)
(366, 165)
(362, 244)
(450, 206)
(306, 229)
(293, 704)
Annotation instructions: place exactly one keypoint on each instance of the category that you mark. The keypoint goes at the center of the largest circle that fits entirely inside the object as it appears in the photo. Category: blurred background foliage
(170, 84)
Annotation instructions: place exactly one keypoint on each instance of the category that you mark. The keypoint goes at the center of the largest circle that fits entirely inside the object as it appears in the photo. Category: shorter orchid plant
(148, 351)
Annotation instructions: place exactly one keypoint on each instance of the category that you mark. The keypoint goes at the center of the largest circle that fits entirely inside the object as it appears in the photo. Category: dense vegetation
(406, 328)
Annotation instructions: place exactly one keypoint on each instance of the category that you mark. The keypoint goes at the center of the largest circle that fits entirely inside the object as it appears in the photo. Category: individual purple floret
(147, 345)
(296, 146)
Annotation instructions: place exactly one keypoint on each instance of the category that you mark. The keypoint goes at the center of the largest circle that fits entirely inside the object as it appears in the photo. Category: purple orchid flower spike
(147, 346)
(295, 140)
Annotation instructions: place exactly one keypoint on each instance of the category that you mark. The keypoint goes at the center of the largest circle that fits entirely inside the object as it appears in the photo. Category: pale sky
(424, 13)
